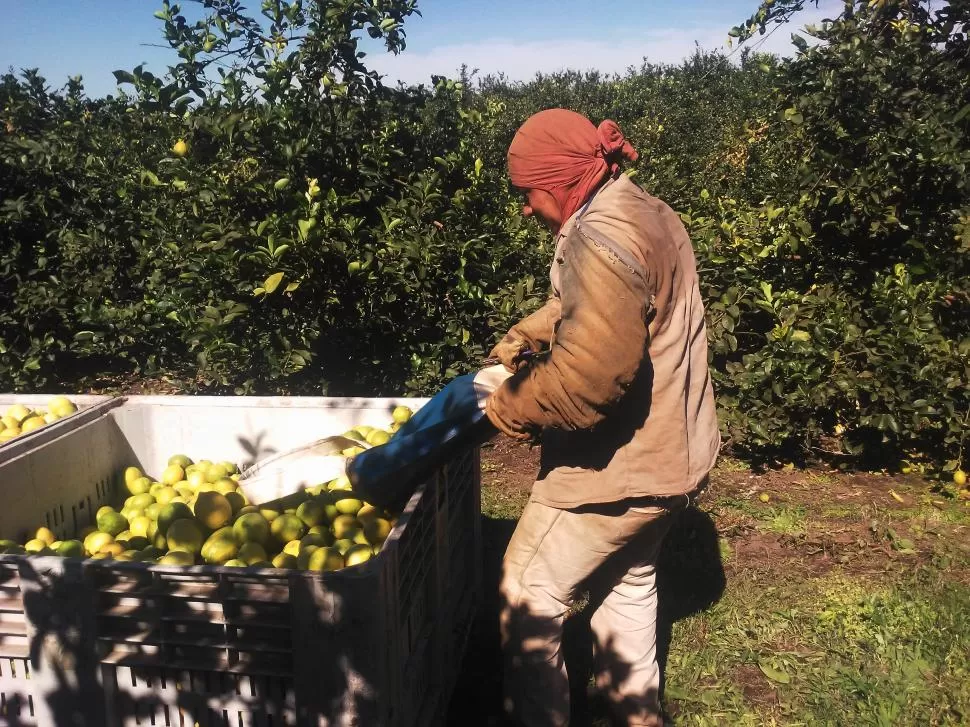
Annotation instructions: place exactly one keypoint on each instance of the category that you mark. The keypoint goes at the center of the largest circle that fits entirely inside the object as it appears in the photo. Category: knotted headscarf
(561, 152)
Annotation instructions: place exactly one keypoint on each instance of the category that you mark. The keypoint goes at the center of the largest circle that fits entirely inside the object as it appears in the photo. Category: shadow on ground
(690, 578)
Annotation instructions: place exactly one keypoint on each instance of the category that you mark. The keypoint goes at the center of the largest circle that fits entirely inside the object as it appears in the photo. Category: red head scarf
(562, 153)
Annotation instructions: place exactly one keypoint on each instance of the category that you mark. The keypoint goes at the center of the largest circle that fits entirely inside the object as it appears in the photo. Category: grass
(882, 638)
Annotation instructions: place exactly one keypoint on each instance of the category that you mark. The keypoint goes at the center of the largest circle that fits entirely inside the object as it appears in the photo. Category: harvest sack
(452, 420)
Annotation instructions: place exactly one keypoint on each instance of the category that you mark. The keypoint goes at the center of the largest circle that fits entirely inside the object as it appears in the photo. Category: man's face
(539, 203)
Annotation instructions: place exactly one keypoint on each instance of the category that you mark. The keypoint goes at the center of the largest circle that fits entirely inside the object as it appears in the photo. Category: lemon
(172, 474)
(236, 563)
(237, 500)
(353, 434)
(315, 540)
(251, 528)
(377, 530)
(401, 414)
(252, 553)
(180, 148)
(287, 527)
(325, 559)
(311, 512)
(35, 545)
(284, 560)
(170, 513)
(216, 472)
(46, 535)
(112, 549)
(9, 433)
(18, 412)
(112, 523)
(378, 437)
(184, 535)
(341, 483)
(139, 525)
(344, 526)
(358, 554)
(179, 459)
(364, 429)
(195, 478)
(177, 557)
(220, 547)
(764, 497)
(269, 513)
(344, 545)
(50, 417)
(95, 541)
(31, 423)
(165, 495)
(959, 478)
(141, 501)
(352, 451)
(61, 406)
(132, 474)
(71, 549)
(139, 485)
(292, 548)
(224, 486)
(347, 504)
(213, 510)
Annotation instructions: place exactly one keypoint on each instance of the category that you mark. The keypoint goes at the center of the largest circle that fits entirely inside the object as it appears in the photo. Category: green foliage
(320, 231)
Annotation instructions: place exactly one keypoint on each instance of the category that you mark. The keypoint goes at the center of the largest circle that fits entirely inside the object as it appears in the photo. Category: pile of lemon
(195, 514)
(20, 419)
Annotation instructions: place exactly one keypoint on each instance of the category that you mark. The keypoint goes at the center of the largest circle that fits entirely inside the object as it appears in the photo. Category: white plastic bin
(89, 406)
(123, 643)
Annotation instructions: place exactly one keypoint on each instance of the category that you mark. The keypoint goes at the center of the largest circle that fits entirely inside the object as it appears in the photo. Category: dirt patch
(510, 464)
(757, 690)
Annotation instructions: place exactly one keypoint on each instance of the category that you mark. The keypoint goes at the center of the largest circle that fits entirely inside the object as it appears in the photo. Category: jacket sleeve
(598, 349)
(536, 329)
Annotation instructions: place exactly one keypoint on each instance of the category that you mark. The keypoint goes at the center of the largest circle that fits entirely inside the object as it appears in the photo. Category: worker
(620, 397)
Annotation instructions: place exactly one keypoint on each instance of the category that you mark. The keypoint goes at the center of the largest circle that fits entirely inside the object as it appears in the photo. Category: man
(621, 399)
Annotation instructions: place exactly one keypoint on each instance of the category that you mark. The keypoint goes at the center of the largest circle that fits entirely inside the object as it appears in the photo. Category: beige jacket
(623, 397)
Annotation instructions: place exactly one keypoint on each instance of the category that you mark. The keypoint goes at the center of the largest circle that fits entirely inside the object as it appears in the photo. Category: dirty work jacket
(623, 397)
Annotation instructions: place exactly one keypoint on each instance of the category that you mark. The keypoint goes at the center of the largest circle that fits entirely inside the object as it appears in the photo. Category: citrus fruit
(311, 512)
(251, 528)
(347, 504)
(61, 406)
(378, 437)
(287, 527)
(353, 434)
(284, 560)
(213, 510)
(195, 478)
(181, 460)
(224, 485)
(71, 549)
(139, 525)
(377, 530)
(341, 483)
(325, 559)
(358, 554)
(292, 548)
(236, 563)
(959, 478)
(401, 414)
(35, 545)
(216, 472)
(220, 547)
(139, 486)
(364, 429)
(96, 540)
(252, 553)
(184, 535)
(180, 148)
(344, 526)
(172, 474)
(46, 535)
(18, 412)
(171, 512)
(177, 557)
(343, 545)
(112, 523)
(31, 423)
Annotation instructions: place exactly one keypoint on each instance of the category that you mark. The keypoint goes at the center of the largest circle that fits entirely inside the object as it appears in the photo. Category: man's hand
(508, 352)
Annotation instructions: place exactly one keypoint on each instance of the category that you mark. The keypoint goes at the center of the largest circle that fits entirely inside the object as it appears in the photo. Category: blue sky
(518, 37)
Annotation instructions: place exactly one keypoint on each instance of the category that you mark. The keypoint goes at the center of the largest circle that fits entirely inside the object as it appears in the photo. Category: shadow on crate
(690, 579)
(67, 676)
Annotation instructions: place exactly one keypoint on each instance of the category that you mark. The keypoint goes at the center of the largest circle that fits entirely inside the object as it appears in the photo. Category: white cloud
(521, 61)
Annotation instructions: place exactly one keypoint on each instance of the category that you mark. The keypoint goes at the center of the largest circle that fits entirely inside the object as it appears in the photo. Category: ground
(843, 599)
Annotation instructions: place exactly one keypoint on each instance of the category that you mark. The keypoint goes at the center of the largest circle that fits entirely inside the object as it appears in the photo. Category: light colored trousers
(553, 555)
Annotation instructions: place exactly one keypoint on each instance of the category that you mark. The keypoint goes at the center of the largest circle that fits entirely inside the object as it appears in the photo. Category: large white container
(90, 406)
(121, 643)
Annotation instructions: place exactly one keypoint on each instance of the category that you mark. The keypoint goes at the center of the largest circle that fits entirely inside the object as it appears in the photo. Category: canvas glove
(509, 352)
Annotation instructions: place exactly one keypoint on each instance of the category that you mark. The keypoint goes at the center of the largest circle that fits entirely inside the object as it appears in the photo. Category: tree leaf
(776, 675)
(272, 282)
